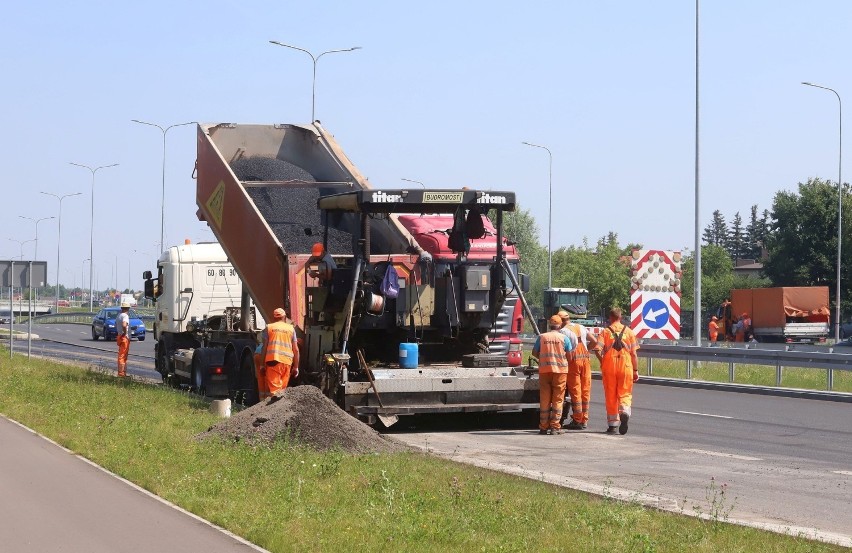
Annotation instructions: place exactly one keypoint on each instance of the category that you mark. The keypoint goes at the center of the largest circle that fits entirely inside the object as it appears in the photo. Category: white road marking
(703, 415)
(721, 454)
(843, 472)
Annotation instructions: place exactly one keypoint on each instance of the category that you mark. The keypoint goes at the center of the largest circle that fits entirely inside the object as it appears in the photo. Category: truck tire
(199, 384)
(248, 380)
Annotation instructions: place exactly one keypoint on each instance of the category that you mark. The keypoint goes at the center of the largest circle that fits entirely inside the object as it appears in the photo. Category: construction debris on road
(305, 416)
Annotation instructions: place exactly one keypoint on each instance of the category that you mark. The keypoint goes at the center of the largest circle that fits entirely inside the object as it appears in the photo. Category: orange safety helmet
(318, 250)
(555, 320)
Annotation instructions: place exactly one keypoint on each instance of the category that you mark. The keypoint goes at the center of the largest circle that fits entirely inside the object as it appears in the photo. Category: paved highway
(74, 343)
(783, 461)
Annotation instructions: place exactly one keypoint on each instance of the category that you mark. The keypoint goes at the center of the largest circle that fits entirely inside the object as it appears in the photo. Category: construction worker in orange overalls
(260, 373)
(551, 349)
(122, 338)
(280, 352)
(713, 329)
(617, 347)
(579, 372)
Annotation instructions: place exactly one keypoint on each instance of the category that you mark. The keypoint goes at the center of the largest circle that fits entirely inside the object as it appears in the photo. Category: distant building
(749, 268)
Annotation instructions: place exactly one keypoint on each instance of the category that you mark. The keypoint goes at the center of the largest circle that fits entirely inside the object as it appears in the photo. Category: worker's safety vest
(581, 352)
(628, 339)
(551, 353)
(279, 346)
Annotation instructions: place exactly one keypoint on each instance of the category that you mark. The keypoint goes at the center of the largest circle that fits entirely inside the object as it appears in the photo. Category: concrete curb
(141, 489)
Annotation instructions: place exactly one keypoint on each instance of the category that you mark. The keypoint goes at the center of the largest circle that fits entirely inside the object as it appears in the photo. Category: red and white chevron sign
(655, 288)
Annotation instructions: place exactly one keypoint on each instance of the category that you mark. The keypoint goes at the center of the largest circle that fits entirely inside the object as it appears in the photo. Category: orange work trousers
(617, 376)
(551, 395)
(262, 388)
(123, 350)
(580, 388)
(277, 376)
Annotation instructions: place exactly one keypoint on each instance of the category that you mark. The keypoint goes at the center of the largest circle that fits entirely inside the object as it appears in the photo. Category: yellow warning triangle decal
(216, 203)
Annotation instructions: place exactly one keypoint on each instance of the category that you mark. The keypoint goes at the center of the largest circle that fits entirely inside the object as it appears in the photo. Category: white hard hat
(125, 306)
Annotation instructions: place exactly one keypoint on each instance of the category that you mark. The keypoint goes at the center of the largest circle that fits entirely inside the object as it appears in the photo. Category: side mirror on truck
(524, 281)
(149, 286)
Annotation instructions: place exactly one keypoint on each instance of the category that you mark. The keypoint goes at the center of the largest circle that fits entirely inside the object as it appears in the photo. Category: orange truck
(785, 314)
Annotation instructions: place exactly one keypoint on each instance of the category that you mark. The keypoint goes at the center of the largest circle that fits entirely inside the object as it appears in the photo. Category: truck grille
(503, 326)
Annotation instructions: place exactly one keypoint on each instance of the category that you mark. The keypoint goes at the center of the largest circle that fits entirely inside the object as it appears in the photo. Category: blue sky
(442, 92)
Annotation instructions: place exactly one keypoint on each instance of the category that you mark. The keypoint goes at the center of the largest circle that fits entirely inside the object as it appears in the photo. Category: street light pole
(549, 212)
(59, 237)
(36, 221)
(92, 228)
(315, 59)
(696, 316)
(165, 131)
(415, 182)
(35, 254)
(839, 202)
(21, 243)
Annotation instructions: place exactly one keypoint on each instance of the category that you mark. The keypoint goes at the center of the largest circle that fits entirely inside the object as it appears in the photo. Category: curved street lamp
(165, 131)
(415, 182)
(59, 237)
(549, 212)
(315, 59)
(839, 202)
(92, 228)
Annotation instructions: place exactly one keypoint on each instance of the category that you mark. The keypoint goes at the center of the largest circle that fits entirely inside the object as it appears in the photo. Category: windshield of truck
(576, 299)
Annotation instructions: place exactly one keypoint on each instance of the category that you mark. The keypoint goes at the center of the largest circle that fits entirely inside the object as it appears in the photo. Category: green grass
(288, 498)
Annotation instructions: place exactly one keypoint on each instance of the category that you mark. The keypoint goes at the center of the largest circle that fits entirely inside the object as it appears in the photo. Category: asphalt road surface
(74, 343)
(53, 501)
(782, 462)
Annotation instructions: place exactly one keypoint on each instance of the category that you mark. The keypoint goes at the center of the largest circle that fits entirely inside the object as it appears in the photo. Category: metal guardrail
(75, 317)
(732, 356)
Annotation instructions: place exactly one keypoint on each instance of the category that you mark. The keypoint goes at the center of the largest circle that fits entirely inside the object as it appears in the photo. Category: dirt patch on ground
(304, 415)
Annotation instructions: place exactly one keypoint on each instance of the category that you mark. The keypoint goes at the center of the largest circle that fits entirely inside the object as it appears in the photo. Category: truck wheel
(162, 359)
(198, 379)
(248, 380)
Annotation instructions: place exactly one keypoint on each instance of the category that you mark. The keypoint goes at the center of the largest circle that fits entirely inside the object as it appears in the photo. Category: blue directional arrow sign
(655, 314)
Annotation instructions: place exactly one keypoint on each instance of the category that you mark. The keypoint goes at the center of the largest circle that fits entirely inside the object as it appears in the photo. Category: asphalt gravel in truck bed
(305, 416)
(289, 210)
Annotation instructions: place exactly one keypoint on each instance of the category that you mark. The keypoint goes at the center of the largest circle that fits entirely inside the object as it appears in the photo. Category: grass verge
(288, 498)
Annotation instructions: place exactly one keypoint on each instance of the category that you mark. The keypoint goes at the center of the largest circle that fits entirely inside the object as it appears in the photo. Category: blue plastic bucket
(408, 354)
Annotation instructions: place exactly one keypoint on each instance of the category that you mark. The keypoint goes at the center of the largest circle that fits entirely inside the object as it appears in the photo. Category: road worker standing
(122, 329)
(280, 352)
(579, 372)
(616, 351)
(713, 329)
(551, 349)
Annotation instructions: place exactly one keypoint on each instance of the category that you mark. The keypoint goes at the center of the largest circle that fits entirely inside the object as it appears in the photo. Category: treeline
(741, 241)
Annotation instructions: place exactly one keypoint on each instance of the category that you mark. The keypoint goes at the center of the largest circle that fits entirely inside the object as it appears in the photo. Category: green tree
(716, 233)
(521, 228)
(754, 235)
(735, 243)
(717, 279)
(604, 271)
(802, 243)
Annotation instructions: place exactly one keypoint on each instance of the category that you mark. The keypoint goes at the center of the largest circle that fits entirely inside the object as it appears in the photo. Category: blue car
(103, 325)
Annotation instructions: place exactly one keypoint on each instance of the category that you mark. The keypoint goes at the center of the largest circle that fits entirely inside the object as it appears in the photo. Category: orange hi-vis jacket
(551, 353)
(281, 343)
(581, 352)
(612, 357)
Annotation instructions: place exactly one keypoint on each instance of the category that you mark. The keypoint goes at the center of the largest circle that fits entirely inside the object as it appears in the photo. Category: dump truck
(269, 193)
(784, 314)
